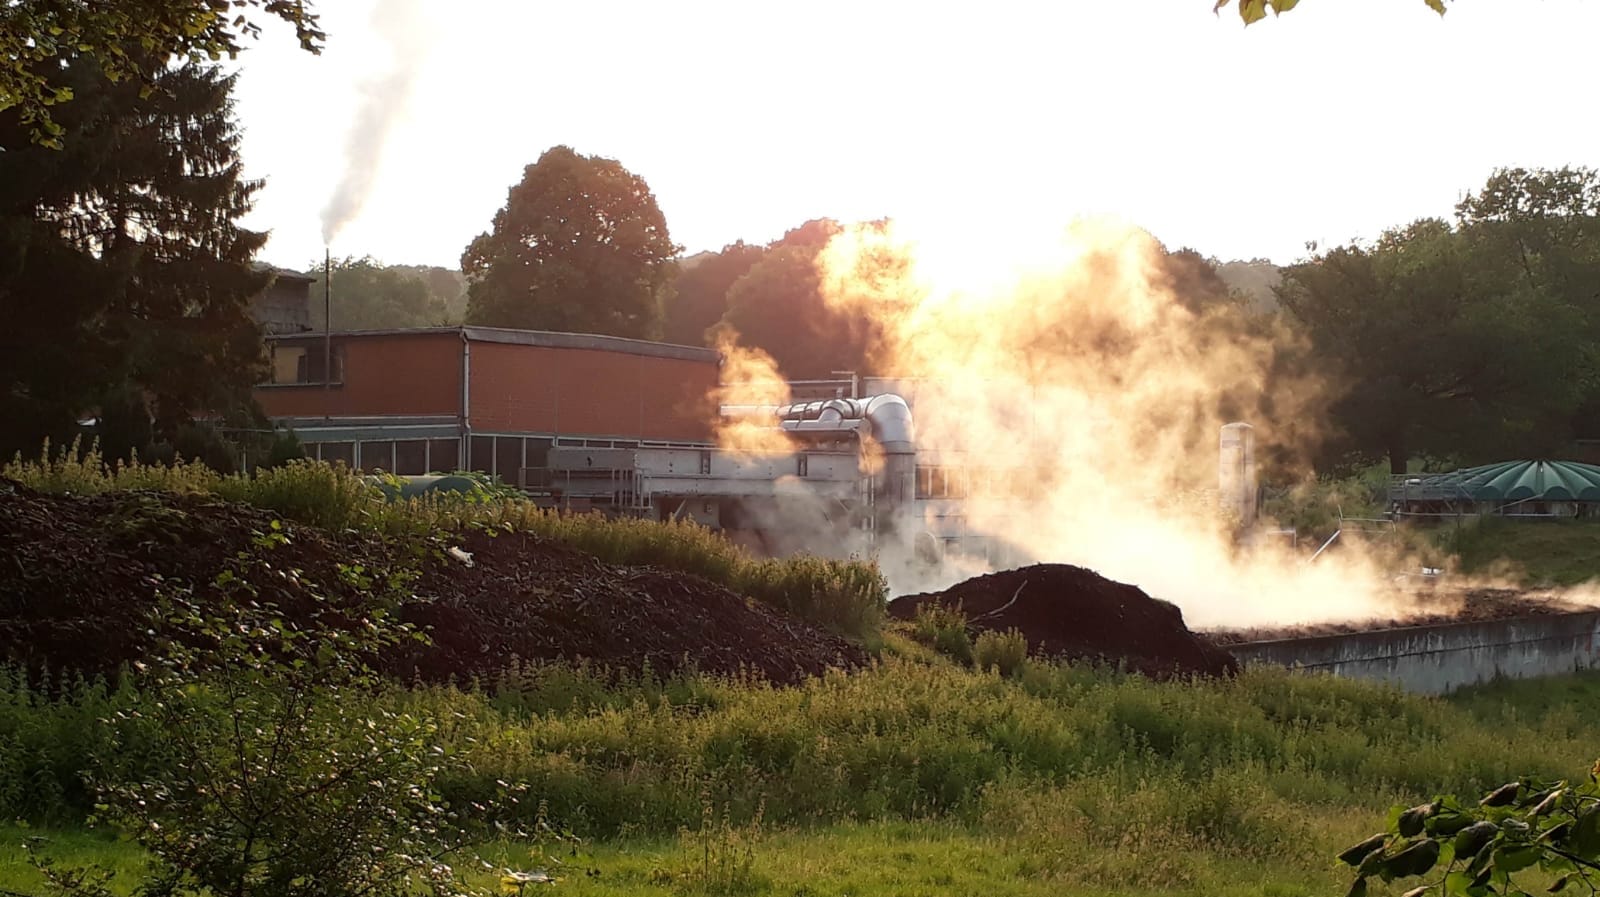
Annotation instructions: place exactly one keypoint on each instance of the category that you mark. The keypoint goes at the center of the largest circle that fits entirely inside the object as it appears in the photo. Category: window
(410, 457)
(337, 452)
(481, 454)
(377, 456)
(303, 364)
(508, 459)
(444, 455)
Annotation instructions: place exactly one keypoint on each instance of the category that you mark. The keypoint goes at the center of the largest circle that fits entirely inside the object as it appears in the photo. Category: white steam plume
(383, 100)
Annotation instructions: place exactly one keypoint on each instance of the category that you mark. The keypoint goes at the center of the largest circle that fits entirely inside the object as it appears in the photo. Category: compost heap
(78, 575)
(1072, 612)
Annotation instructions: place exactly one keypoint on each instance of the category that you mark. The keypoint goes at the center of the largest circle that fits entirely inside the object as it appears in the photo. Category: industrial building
(1506, 489)
(481, 398)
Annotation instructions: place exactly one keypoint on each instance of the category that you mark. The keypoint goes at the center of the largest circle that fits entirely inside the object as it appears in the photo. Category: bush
(1006, 651)
(944, 630)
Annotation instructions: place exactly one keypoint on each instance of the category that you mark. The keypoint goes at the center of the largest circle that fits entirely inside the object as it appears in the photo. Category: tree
(368, 295)
(778, 307)
(700, 293)
(1253, 11)
(1443, 350)
(580, 246)
(1473, 849)
(37, 38)
(122, 265)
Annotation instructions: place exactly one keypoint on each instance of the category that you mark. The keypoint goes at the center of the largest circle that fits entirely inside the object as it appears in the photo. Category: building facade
(486, 399)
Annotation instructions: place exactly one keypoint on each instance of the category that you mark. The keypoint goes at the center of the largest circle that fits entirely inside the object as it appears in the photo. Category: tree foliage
(1253, 11)
(580, 246)
(368, 295)
(778, 306)
(1470, 341)
(122, 264)
(1464, 849)
(700, 292)
(37, 38)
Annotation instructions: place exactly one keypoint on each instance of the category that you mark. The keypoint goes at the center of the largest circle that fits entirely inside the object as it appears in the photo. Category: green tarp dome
(416, 487)
(1521, 481)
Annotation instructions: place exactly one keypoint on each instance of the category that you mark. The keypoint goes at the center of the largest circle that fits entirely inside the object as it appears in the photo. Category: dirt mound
(77, 576)
(1433, 607)
(1068, 611)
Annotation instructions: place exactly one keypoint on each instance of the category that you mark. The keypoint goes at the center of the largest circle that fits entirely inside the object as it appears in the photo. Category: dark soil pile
(78, 574)
(1068, 611)
(1432, 607)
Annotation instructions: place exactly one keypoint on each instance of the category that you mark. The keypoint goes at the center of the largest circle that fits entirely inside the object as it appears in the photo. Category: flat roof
(542, 338)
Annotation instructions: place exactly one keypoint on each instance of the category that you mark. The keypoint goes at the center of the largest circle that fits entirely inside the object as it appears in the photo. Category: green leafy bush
(1475, 848)
(283, 769)
(1003, 651)
(944, 630)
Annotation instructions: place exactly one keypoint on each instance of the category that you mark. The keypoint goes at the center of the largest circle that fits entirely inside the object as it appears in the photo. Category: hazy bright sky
(746, 118)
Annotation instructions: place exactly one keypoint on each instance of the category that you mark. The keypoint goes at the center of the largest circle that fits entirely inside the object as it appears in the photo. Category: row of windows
(961, 482)
(505, 456)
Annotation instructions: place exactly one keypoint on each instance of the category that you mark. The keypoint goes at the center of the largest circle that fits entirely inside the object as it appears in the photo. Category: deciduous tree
(37, 38)
(368, 295)
(579, 246)
(700, 293)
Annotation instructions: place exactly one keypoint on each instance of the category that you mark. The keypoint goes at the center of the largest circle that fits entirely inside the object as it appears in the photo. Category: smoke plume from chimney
(383, 101)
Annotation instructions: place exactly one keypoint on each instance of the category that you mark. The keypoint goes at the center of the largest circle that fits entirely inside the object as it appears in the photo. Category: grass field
(920, 778)
(1535, 552)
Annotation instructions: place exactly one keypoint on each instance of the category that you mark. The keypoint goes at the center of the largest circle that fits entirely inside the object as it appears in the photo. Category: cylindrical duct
(1236, 472)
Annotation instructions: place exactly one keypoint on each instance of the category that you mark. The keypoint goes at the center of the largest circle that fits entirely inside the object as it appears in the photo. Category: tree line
(127, 280)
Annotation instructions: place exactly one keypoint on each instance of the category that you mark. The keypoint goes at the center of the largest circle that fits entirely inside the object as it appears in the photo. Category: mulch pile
(1068, 611)
(1433, 607)
(77, 576)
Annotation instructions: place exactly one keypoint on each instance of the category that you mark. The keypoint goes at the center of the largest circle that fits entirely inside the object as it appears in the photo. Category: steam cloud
(1059, 366)
(384, 99)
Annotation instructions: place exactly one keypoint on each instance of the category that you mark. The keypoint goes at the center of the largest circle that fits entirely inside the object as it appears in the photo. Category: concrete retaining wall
(1439, 659)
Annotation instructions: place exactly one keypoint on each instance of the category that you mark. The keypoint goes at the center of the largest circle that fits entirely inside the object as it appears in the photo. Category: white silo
(1236, 472)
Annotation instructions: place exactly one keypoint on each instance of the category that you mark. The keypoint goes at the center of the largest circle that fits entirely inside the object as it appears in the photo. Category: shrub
(944, 630)
(1005, 651)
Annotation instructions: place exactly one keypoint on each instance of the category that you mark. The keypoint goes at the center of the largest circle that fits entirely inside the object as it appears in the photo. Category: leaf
(1435, 5)
(1414, 860)
(1501, 796)
(1282, 6)
(1358, 888)
(1473, 838)
(1353, 856)
(1515, 859)
(1418, 892)
(1585, 837)
(1252, 11)
(1560, 883)
(1411, 821)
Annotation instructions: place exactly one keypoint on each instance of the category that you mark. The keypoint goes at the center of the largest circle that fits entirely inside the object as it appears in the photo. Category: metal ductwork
(886, 417)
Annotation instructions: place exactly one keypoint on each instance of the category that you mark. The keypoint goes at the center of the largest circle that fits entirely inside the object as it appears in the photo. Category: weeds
(845, 596)
(1005, 652)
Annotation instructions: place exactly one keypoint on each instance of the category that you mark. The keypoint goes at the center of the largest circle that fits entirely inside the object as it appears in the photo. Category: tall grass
(916, 740)
(1093, 779)
(846, 596)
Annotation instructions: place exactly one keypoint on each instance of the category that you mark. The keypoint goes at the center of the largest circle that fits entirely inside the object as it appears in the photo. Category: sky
(1330, 123)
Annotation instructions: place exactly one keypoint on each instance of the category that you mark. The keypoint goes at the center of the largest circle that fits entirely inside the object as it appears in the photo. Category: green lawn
(1536, 552)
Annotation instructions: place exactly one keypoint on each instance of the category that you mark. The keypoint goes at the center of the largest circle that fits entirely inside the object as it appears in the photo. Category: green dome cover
(1518, 481)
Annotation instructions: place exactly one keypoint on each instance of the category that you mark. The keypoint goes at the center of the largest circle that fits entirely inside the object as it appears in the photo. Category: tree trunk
(1397, 454)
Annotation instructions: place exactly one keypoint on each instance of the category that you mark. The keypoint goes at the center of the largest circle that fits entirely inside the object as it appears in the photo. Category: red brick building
(481, 398)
